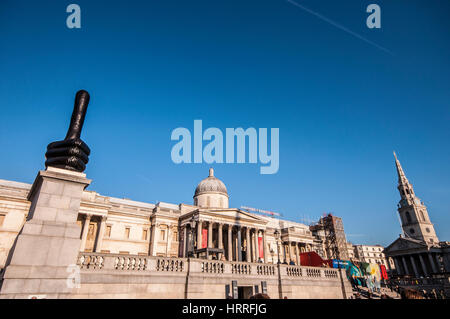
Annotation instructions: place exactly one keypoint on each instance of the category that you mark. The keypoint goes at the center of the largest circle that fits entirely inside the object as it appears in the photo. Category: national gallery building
(120, 226)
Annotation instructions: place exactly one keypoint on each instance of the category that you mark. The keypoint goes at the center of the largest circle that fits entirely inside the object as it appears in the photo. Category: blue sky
(342, 104)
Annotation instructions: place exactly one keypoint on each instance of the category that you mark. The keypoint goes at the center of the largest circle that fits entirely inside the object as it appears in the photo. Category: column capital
(104, 218)
(88, 216)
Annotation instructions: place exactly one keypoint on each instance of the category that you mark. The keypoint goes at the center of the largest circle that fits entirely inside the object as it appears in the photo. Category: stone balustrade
(166, 277)
(117, 262)
(215, 267)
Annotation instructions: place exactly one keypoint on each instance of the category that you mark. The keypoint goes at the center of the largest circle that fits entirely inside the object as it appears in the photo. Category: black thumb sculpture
(71, 153)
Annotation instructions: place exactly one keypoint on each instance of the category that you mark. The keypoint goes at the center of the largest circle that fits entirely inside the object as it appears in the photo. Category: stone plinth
(50, 239)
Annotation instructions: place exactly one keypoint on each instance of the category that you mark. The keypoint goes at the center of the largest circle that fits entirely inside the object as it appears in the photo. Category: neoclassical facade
(122, 226)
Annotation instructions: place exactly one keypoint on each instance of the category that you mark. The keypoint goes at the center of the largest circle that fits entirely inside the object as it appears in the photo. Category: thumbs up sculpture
(71, 153)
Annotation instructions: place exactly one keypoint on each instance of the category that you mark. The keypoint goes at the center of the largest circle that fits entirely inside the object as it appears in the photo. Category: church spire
(401, 174)
(413, 213)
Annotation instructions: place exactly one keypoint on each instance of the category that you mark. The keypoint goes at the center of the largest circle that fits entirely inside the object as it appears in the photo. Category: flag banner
(261, 247)
(204, 238)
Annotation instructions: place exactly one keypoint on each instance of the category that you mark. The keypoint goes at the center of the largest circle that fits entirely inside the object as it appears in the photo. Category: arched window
(408, 217)
(407, 191)
(423, 216)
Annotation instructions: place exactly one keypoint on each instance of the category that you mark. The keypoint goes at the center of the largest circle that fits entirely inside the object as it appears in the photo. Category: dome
(212, 185)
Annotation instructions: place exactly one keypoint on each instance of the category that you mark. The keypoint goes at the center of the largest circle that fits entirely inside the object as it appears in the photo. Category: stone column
(297, 254)
(256, 246)
(185, 238)
(438, 263)
(248, 250)
(169, 240)
(405, 266)
(101, 234)
(397, 266)
(49, 241)
(266, 259)
(413, 263)
(155, 238)
(424, 267)
(433, 265)
(220, 230)
(199, 234)
(239, 243)
(87, 221)
(230, 243)
(210, 234)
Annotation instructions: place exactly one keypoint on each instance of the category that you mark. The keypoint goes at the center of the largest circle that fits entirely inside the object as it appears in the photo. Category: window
(408, 217)
(2, 219)
(423, 216)
(175, 236)
(108, 231)
(127, 232)
(144, 234)
(163, 234)
(427, 229)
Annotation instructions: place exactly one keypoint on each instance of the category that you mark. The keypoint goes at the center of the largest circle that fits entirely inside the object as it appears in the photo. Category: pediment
(235, 216)
(404, 244)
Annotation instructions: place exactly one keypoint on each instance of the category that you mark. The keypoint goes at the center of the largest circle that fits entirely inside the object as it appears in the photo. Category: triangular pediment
(235, 216)
(403, 245)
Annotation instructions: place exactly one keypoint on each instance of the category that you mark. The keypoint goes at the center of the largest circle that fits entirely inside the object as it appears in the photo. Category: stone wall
(132, 276)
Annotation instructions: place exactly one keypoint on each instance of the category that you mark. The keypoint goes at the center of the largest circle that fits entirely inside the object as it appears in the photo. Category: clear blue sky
(342, 105)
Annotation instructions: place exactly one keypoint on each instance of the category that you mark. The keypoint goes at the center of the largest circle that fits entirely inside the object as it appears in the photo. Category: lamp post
(280, 286)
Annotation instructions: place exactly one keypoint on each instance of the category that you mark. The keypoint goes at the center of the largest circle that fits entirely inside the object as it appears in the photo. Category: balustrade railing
(134, 263)
(137, 263)
(294, 271)
(241, 268)
(329, 273)
(265, 270)
(215, 267)
(169, 264)
(313, 272)
(89, 261)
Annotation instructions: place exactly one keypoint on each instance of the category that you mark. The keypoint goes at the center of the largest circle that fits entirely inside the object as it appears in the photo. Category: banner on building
(261, 247)
(204, 238)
